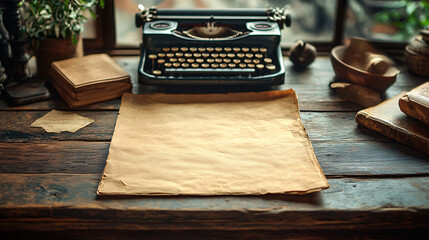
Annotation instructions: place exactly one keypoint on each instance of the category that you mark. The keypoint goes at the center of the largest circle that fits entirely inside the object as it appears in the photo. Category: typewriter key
(200, 60)
(242, 65)
(268, 60)
(157, 72)
(240, 55)
(255, 49)
(181, 60)
(205, 65)
(223, 65)
(185, 65)
(263, 50)
(222, 55)
(260, 66)
(251, 65)
(215, 65)
(258, 55)
(169, 55)
(214, 55)
(271, 67)
(161, 62)
(218, 49)
(188, 55)
(210, 60)
(179, 54)
(227, 60)
(191, 60)
(218, 60)
(201, 49)
(193, 49)
(245, 49)
(176, 64)
(249, 55)
(166, 49)
(195, 65)
(161, 55)
(197, 55)
(236, 49)
(231, 65)
(209, 49)
(152, 56)
(174, 49)
(231, 55)
(237, 61)
(227, 49)
(205, 55)
(168, 64)
(256, 61)
(183, 49)
(173, 60)
(247, 60)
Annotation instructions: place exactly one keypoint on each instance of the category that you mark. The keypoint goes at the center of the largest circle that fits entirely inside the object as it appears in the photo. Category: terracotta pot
(54, 49)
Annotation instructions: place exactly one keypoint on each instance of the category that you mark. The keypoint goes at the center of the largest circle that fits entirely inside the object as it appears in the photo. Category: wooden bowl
(372, 70)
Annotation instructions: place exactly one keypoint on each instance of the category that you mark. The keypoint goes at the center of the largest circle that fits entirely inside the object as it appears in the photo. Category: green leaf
(74, 40)
(93, 14)
(411, 8)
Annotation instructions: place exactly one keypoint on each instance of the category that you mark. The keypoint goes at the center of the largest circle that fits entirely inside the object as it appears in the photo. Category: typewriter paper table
(378, 188)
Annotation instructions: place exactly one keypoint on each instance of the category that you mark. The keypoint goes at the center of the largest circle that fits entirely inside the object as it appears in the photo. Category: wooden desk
(378, 188)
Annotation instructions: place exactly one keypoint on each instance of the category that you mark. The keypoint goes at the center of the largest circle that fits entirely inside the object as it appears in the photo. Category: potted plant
(54, 27)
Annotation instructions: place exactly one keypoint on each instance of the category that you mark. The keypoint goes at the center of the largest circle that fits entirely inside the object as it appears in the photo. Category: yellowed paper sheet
(61, 121)
(212, 144)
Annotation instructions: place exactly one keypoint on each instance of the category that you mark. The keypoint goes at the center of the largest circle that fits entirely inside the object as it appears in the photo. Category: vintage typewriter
(211, 47)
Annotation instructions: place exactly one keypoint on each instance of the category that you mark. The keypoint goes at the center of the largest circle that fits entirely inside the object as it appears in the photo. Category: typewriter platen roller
(211, 47)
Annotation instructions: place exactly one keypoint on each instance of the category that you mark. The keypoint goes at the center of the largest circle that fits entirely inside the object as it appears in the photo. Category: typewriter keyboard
(205, 61)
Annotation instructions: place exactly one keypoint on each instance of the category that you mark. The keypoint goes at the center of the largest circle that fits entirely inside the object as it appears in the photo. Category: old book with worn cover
(416, 103)
(386, 118)
(90, 79)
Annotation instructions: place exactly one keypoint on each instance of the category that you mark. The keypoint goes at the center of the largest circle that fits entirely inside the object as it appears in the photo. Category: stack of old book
(404, 118)
(90, 79)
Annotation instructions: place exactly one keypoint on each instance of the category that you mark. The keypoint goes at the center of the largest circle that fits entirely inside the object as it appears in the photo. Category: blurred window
(312, 20)
(386, 20)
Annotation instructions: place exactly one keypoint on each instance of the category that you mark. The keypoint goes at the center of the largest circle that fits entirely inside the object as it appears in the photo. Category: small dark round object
(302, 54)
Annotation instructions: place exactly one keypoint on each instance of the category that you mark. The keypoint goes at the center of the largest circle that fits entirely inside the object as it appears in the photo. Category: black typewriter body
(211, 47)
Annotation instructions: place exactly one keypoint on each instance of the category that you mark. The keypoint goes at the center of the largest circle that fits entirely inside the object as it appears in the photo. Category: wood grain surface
(378, 187)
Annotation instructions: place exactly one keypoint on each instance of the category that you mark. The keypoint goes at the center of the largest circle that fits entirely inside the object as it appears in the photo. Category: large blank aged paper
(211, 144)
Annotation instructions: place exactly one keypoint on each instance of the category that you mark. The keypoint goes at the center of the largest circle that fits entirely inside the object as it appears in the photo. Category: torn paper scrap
(61, 121)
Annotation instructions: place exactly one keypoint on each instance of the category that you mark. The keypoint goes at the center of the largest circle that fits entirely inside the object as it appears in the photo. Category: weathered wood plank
(222, 234)
(15, 127)
(54, 157)
(333, 127)
(312, 86)
(350, 158)
(62, 201)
